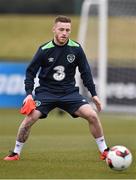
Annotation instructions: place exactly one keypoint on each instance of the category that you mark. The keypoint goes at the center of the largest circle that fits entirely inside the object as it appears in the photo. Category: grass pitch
(61, 147)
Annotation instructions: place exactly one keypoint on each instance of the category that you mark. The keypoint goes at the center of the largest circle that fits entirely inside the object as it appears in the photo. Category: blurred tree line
(116, 7)
(41, 6)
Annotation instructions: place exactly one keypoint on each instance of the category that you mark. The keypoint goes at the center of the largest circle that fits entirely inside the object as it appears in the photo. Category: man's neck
(59, 44)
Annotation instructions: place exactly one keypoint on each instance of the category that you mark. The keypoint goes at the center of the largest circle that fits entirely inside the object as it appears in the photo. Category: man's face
(61, 32)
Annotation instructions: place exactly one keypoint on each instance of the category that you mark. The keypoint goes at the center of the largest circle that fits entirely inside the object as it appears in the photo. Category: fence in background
(12, 90)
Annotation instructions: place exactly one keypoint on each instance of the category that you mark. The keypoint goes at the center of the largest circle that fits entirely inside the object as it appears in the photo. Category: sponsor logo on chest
(50, 59)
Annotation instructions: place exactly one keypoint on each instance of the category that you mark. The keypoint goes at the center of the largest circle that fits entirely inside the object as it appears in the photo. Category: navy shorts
(46, 101)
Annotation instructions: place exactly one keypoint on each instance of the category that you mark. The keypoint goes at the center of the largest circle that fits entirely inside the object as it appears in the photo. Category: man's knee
(29, 121)
(92, 117)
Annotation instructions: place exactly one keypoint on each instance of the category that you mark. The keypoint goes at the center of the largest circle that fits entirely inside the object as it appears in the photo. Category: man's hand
(97, 103)
(28, 105)
(28, 97)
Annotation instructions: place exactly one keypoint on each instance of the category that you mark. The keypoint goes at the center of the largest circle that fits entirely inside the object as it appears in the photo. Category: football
(119, 158)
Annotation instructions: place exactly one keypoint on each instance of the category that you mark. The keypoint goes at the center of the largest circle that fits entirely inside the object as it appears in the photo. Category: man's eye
(61, 29)
(67, 30)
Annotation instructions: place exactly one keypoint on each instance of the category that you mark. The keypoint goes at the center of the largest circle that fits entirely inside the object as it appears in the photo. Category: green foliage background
(21, 35)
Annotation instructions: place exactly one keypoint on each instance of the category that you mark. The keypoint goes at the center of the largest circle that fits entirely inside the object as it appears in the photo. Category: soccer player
(56, 63)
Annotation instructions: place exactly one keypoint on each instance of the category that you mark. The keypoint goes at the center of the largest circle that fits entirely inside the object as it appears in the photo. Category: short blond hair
(61, 18)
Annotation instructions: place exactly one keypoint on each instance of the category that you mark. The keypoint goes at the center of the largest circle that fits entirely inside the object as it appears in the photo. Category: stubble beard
(61, 42)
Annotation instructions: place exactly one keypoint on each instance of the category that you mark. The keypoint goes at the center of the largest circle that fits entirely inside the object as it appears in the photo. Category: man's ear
(53, 29)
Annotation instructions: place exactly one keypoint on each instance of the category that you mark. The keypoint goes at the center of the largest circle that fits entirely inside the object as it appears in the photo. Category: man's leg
(86, 112)
(23, 134)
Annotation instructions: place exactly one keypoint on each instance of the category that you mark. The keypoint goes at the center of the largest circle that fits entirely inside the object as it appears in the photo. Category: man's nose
(64, 32)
